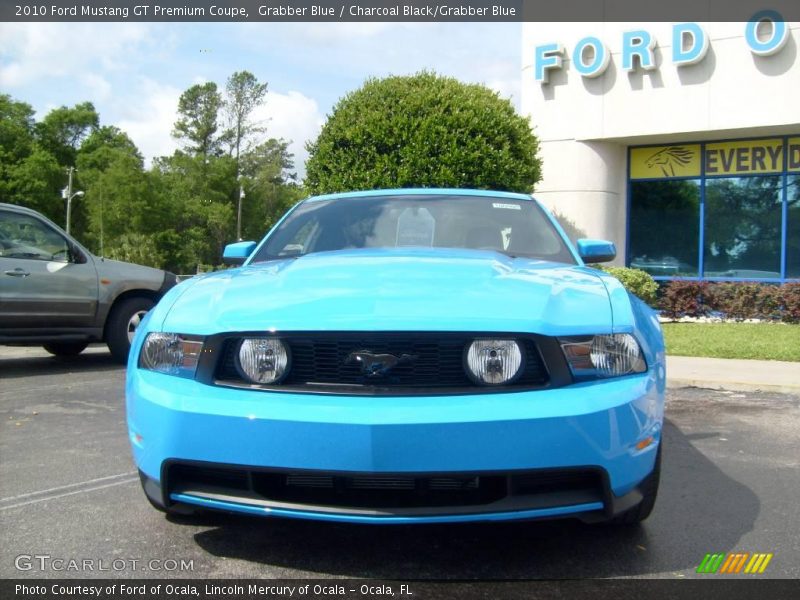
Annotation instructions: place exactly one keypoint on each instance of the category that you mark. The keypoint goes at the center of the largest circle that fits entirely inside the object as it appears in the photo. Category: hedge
(731, 300)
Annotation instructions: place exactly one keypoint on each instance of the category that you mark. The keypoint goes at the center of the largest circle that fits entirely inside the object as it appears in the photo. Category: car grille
(377, 491)
(319, 361)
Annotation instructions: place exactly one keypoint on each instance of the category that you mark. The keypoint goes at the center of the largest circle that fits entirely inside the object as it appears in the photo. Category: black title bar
(381, 10)
(363, 589)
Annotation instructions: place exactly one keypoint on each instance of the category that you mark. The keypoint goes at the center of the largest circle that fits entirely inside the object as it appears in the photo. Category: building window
(743, 228)
(665, 238)
(717, 210)
(793, 227)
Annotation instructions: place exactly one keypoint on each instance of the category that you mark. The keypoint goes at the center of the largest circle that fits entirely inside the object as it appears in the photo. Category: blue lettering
(548, 56)
(638, 43)
(765, 45)
(689, 44)
(590, 57)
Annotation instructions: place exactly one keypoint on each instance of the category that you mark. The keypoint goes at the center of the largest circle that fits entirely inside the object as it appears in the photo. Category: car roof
(421, 192)
(21, 209)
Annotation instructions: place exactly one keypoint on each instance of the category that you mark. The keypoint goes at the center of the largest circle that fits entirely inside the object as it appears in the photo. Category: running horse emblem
(377, 365)
(668, 158)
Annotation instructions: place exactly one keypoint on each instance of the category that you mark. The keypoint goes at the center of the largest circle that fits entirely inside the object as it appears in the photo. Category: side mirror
(236, 254)
(76, 256)
(596, 251)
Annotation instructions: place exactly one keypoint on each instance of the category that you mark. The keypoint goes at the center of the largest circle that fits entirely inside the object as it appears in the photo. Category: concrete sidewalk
(733, 374)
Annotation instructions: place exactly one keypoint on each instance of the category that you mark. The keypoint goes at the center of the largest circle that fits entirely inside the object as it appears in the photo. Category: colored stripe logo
(735, 562)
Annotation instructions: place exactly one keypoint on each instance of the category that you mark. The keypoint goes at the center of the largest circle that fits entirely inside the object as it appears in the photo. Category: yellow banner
(748, 157)
(680, 160)
(794, 155)
(744, 158)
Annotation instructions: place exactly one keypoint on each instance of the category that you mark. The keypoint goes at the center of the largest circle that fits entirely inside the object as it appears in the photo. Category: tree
(63, 130)
(16, 131)
(29, 174)
(423, 130)
(198, 110)
(119, 198)
(269, 182)
(36, 182)
(243, 94)
(199, 194)
(109, 139)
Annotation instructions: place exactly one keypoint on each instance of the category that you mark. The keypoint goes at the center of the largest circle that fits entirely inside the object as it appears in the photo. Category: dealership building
(678, 141)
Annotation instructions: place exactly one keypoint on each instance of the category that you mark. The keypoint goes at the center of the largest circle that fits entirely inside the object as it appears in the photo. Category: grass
(763, 341)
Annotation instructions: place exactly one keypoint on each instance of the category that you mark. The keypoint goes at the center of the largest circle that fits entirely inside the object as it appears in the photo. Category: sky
(134, 73)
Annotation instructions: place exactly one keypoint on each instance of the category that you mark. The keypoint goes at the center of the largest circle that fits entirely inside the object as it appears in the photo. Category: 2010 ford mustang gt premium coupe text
(402, 356)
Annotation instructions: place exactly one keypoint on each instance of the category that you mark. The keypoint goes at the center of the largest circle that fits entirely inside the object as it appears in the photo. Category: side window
(22, 236)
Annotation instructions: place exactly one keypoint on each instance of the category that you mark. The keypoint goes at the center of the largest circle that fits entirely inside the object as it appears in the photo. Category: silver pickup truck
(55, 293)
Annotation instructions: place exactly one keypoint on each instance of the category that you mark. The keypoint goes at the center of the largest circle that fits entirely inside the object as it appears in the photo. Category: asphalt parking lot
(68, 490)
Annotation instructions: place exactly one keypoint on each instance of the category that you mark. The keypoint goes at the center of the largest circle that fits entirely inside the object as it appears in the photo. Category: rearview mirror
(596, 251)
(236, 254)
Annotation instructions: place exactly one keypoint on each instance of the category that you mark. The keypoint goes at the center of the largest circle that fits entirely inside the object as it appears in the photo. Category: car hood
(117, 269)
(395, 290)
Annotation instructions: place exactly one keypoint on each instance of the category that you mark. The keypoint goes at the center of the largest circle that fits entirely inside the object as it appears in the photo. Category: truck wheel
(65, 348)
(122, 324)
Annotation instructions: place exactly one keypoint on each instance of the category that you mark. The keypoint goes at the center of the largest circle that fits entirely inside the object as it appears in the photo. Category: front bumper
(600, 429)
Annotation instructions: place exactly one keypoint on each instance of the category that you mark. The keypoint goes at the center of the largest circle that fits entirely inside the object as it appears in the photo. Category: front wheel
(122, 324)
(64, 349)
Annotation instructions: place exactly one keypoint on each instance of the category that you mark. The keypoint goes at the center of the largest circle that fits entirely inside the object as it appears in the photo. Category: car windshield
(514, 227)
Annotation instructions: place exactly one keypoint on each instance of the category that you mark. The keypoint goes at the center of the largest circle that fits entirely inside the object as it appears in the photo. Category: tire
(121, 325)
(649, 488)
(64, 349)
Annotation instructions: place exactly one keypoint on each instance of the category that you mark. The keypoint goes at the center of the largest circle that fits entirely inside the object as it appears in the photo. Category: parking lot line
(58, 492)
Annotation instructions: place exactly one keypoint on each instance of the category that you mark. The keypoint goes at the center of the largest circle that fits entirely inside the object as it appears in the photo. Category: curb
(733, 386)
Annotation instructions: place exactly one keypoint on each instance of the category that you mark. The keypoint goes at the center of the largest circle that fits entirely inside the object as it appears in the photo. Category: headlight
(603, 355)
(171, 353)
(262, 360)
(494, 362)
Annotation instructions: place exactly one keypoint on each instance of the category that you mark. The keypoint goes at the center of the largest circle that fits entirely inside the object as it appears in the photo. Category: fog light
(262, 360)
(494, 362)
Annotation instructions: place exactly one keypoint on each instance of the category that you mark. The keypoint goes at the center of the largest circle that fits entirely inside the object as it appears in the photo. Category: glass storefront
(793, 227)
(727, 210)
(743, 227)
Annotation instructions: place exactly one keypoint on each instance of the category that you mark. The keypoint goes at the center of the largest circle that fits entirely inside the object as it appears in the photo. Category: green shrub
(732, 300)
(637, 282)
(742, 301)
(423, 130)
(790, 303)
(138, 248)
(681, 298)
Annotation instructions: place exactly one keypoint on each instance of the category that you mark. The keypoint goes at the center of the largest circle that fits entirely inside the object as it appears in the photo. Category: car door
(46, 282)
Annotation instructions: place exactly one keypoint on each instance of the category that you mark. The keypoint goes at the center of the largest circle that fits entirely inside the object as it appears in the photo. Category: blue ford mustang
(402, 356)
